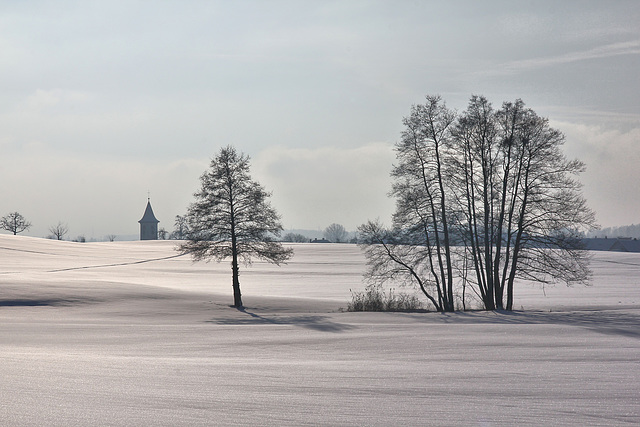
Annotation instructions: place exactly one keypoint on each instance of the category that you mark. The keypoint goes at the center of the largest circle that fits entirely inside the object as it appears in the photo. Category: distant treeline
(632, 230)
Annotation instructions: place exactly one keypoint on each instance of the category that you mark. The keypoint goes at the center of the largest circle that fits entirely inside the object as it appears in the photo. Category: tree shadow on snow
(50, 302)
(317, 323)
(610, 322)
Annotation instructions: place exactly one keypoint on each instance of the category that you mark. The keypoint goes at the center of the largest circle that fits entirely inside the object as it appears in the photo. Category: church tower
(148, 224)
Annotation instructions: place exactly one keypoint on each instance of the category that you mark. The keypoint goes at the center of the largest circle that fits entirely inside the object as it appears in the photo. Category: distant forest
(632, 230)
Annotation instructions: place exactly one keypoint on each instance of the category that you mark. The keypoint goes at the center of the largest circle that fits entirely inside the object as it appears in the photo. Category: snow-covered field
(128, 333)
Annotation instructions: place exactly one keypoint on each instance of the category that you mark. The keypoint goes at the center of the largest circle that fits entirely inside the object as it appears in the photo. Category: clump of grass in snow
(374, 298)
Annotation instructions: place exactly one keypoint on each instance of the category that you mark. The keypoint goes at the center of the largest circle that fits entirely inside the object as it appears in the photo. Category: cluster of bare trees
(484, 198)
(16, 223)
(336, 233)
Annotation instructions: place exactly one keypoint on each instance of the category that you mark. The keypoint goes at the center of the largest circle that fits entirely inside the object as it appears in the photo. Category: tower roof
(148, 215)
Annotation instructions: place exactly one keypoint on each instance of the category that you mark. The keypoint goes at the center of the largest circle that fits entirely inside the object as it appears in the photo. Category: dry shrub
(374, 298)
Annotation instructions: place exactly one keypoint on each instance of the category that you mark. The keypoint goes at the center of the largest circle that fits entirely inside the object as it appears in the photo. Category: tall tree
(14, 223)
(483, 198)
(232, 218)
(419, 249)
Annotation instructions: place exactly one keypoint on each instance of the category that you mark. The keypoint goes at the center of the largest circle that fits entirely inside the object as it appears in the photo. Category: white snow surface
(130, 333)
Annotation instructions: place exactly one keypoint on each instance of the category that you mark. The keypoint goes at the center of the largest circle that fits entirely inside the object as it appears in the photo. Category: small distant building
(148, 224)
(323, 240)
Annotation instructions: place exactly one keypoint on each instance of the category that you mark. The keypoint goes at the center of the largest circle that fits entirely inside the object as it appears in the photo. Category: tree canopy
(484, 198)
(335, 233)
(231, 217)
(14, 223)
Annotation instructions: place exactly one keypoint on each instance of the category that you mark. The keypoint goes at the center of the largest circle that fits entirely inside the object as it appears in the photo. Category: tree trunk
(237, 296)
(510, 295)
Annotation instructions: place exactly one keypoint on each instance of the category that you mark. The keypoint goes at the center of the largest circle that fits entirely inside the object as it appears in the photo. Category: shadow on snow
(604, 321)
(50, 302)
(317, 323)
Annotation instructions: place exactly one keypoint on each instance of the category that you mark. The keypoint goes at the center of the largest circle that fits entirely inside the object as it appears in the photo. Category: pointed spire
(148, 214)
(148, 224)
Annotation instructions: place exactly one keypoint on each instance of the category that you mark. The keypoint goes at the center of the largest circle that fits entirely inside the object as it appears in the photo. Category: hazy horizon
(106, 103)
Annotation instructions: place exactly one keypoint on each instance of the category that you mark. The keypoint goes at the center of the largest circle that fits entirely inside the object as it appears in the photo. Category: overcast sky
(105, 101)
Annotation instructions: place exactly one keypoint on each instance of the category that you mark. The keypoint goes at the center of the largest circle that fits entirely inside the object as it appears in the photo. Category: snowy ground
(130, 334)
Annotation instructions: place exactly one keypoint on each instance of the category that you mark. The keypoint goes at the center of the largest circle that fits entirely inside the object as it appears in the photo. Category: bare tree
(483, 199)
(335, 233)
(59, 230)
(525, 213)
(232, 218)
(111, 237)
(14, 223)
(162, 233)
(419, 248)
(181, 228)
